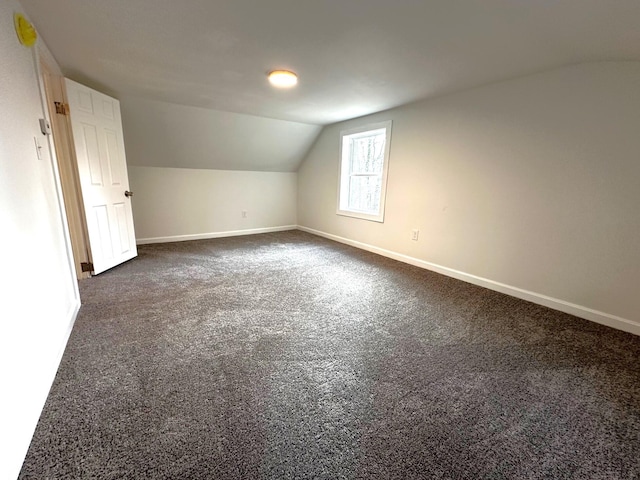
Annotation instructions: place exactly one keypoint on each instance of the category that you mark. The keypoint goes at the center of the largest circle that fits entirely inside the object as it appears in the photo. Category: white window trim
(343, 165)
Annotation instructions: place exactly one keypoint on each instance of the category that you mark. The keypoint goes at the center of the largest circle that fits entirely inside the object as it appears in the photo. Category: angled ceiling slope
(161, 134)
(353, 57)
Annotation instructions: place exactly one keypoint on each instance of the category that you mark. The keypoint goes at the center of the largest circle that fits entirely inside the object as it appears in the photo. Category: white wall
(171, 204)
(39, 297)
(530, 185)
(193, 170)
(160, 134)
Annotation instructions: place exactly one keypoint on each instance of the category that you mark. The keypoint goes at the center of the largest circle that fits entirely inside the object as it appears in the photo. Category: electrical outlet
(244, 214)
(415, 234)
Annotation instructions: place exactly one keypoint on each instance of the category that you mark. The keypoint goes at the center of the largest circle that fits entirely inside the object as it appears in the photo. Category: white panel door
(102, 165)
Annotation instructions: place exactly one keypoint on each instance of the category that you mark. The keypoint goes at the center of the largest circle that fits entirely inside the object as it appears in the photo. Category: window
(364, 159)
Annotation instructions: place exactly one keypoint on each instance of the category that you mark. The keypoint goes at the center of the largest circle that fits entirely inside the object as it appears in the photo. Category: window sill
(361, 215)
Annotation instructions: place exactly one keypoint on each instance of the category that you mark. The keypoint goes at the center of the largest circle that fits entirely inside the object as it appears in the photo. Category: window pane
(363, 171)
(367, 154)
(364, 194)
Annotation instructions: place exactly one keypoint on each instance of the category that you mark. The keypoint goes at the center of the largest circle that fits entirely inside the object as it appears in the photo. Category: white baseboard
(72, 316)
(12, 468)
(202, 236)
(555, 303)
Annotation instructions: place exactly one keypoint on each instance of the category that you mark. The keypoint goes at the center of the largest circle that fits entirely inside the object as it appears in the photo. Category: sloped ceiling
(353, 57)
(160, 134)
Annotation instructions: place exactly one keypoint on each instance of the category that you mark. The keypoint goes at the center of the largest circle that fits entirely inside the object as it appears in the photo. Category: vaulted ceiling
(353, 57)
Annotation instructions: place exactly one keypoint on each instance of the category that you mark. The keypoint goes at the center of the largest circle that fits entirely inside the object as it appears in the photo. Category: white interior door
(97, 135)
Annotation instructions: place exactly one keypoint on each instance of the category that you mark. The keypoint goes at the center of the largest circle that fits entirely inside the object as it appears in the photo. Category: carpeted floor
(287, 356)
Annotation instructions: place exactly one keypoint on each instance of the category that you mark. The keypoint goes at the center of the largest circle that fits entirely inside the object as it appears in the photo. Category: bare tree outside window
(363, 168)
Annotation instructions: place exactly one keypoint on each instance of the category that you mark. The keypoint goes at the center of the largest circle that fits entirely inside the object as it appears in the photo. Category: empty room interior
(356, 239)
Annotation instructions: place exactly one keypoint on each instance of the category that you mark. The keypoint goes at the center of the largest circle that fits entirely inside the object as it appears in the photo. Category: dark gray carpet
(285, 356)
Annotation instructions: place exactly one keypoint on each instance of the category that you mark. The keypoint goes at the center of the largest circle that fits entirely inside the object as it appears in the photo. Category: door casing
(68, 168)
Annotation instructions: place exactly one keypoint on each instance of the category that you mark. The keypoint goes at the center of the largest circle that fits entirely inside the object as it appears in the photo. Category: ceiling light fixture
(283, 78)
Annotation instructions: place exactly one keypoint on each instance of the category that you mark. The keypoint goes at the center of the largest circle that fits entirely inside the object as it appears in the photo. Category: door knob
(127, 193)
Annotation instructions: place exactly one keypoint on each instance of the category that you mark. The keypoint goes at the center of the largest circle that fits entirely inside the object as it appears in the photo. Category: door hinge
(62, 108)
(86, 266)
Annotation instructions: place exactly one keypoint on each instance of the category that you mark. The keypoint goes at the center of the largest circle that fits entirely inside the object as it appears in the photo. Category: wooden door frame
(55, 91)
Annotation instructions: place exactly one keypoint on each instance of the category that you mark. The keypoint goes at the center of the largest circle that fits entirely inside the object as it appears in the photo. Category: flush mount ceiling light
(283, 78)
